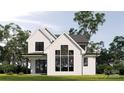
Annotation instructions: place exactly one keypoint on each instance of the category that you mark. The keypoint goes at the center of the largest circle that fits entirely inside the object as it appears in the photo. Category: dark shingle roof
(57, 35)
(79, 38)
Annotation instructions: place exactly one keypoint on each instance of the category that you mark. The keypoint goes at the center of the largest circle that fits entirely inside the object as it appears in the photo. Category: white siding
(91, 68)
(37, 37)
(51, 57)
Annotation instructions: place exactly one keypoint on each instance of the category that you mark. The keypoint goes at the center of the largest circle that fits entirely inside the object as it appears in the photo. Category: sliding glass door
(41, 66)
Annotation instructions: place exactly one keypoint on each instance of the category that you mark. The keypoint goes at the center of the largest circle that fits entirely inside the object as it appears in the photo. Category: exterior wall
(91, 68)
(37, 37)
(51, 57)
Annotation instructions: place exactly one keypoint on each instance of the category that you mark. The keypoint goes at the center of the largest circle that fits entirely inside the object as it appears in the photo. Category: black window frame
(39, 46)
(57, 52)
(85, 61)
(66, 59)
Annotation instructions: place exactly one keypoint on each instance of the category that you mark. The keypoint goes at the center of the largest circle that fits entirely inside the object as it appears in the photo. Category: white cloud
(10, 9)
(26, 21)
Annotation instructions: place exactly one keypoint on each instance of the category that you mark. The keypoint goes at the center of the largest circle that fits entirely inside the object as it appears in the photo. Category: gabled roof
(79, 38)
(75, 43)
(41, 30)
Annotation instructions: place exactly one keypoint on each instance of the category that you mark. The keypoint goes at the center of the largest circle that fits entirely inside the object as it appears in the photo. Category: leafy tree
(15, 43)
(116, 50)
(104, 57)
(88, 22)
(72, 31)
(95, 47)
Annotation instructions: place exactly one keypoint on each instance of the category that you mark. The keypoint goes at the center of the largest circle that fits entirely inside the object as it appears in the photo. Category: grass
(27, 77)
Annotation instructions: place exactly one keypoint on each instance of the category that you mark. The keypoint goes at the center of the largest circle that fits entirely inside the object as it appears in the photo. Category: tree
(88, 22)
(15, 43)
(116, 49)
(95, 47)
(104, 57)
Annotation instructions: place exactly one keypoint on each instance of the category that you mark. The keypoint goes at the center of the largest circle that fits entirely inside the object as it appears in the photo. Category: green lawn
(15, 77)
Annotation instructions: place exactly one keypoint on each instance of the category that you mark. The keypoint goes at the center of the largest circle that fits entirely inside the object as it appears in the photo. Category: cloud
(10, 9)
(26, 13)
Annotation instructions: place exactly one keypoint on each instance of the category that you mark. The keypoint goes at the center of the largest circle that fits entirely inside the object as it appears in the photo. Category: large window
(39, 46)
(64, 59)
(85, 61)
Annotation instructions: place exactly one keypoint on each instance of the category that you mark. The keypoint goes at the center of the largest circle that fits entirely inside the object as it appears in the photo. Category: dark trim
(50, 33)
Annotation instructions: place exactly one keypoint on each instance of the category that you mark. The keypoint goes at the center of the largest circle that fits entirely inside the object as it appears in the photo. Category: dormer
(39, 40)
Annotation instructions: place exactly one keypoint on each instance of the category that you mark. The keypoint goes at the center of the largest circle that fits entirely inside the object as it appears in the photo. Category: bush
(121, 71)
(13, 69)
(118, 66)
(9, 73)
(100, 68)
(22, 69)
(8, 68)
(20, 73)
(108, 70)
(1, 69)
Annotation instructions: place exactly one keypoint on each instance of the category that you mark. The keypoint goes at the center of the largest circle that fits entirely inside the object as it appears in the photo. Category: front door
(41, 66)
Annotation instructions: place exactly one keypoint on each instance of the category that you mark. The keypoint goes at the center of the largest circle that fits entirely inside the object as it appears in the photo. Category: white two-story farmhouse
(59, 54)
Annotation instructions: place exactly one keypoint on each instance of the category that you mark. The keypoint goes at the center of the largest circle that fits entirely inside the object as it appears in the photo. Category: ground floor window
(64, 63)
(71, 63)
(57, 60)
(85, 61)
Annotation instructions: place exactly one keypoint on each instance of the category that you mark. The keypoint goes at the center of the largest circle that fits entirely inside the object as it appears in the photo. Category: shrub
(14, 69)
(24, 69)
(1, 69)
(118, 66)
(121, 71)
(100, 68)
(108, 70)
(20, 73)
(9, 73)
(8, 68)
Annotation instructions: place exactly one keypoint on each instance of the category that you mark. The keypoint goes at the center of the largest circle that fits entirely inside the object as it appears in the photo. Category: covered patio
(38, 62)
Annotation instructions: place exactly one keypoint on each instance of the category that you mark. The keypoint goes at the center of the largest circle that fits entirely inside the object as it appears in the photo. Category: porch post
(33, 66)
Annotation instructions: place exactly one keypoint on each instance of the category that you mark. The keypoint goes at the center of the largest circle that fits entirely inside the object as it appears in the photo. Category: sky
(32, 17)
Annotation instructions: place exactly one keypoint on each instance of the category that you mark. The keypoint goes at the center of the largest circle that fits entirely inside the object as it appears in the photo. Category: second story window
(39, 46)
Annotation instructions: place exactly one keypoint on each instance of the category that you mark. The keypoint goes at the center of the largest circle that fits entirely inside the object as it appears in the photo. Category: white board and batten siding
(51, 57)
(91, 68)
(37, 37)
